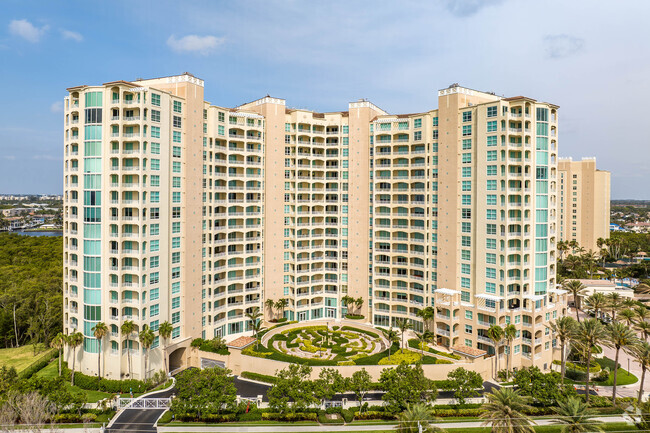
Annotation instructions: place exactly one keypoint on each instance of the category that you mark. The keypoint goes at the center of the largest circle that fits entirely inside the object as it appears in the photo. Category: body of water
(40, 233)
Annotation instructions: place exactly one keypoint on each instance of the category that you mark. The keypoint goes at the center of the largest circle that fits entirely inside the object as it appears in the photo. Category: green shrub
(456, 412)
(289, 417)
(253, 415)
(166, 418)
(407, 356)
(348, 415)
(371, 414)
(354, 316)
(324, 419)
(66, 418)
(39, 364)
(362, 331)
(258, 377)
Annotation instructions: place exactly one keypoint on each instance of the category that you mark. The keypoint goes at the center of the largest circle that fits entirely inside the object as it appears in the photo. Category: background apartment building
(584, 202)
(195, 214)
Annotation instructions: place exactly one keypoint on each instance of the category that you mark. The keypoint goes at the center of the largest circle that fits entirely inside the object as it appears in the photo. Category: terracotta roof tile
(469, 351)
(241, 342)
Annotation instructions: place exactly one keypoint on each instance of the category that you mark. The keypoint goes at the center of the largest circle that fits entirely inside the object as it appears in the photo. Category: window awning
(444, 291)
(490, 297)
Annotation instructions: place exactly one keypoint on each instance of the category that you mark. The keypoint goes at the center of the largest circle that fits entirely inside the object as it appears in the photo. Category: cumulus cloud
(466, 8)
(559, 46)
(56, 107)
(27, 30)
(74, 36)
(194, 43)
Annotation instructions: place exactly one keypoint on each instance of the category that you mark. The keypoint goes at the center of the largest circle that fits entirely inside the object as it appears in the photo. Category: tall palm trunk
(128, 356)
(563, 363)
(99, 358)
(588, 372)
(643, 369)
(618, 349)
(164, 352)
(60, 355)
(74, 358)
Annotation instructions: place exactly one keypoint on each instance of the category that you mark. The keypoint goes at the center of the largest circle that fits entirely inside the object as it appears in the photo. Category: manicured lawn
(623, 377)
(20, 357)
(52, 370)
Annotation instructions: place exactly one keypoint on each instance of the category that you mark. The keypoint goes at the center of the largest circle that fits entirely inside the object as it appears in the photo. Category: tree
(347, 301)
(281, 305)
(464, 383)
(391, 336)
(165, 330)
(597, 303)
(329, 383)
(614, 302)
(562, 247)
(292, 390)
(74, 341)
(270, 304)
(564, 329)
(427, 314)
(358, 303)
(128, 328)
(627, 316)
(58, 342)
(575, 287)
(359, 383)
(509, 335)
(146, 337)
(403, 325)
(416, 419)
(644, 329)
(575, 416)
(588, 334)
(33, 409)
(504, 412)
(544, 388)
(495, 333)
(404, 385)
(641, 354)
(217, 391)
(100, 330)
(619, 337)
(256, 324)
(642, 313)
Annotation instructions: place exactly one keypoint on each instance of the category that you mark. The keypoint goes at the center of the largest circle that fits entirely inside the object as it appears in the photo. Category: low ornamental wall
(238, 362)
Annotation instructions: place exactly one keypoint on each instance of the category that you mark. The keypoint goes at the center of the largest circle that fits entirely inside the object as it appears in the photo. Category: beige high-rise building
(584, 202)
(194, 214)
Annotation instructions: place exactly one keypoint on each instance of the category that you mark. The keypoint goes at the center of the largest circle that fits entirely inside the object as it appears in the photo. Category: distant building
(584, 202)
(615, 228)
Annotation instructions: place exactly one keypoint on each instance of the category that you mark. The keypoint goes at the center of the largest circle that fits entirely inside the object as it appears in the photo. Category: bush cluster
(290, 417)
(113, 386)
(39, 364)
(266, 378)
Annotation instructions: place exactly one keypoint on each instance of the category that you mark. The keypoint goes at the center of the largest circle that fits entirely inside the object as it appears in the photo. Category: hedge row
(39, 364)
(266, 378)
(112, 386)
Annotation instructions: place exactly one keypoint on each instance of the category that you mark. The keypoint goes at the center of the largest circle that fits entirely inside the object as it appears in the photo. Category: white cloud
(465, 8)
(56, 107)
(559, 46)
(69, 34)
(194, 43)
(26, 30)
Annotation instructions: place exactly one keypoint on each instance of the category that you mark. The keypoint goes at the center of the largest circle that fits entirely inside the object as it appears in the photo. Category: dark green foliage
(111, 386)
(258, 377)
(464, 383)
(354, 316)
(39, 364)
(363, 331)
(216, 345)
(545, 388)
(374, 359)
(293, 391)
(205, 393)
(406, 385)
(31, 279)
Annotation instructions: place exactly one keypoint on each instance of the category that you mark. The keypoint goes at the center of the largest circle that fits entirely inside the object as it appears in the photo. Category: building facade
(584, 196)
(195, 214)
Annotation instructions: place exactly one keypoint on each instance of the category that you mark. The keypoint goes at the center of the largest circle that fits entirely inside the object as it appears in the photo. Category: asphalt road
(140, 420)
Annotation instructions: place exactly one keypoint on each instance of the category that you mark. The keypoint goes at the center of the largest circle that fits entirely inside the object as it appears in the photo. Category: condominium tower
(182, 211)
(584, 202)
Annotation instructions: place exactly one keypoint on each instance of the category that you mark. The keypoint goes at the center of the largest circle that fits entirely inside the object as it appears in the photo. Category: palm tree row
(278, 305)
(146, 337)
(348, 301)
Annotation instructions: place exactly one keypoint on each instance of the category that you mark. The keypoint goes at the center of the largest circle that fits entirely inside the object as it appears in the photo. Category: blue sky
(589, 57)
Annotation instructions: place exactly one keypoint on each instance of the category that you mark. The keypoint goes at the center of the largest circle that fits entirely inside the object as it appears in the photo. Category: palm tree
(403, 325)
(509, 335)
(562, 247)
(100, 330)
(58, 342)
(575, 416)
(642, 313)
(427, 314)
(644, 329)
(358, 303)
(128, 327)
(146, 337)
(575, 287)
(347, 301)
(391, 336)
(270, 304)
(281, 305)
(590, 333)
(254, 317)
(495, 333)
(614, 301)
(619, 337)
(421, 341)
(564, 329)
(416, 418)
(641, 354)
(597, 303)
(627, 316)
(504, 412)
(165, 330)
(74, 341)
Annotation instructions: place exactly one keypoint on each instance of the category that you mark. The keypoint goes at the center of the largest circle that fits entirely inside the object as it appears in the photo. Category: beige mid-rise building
(178, 210)
(584, 196)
